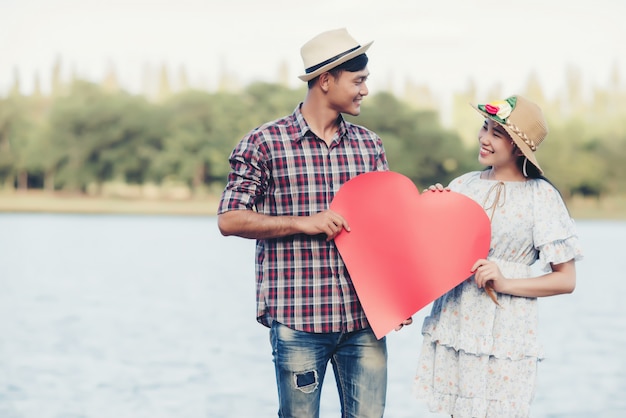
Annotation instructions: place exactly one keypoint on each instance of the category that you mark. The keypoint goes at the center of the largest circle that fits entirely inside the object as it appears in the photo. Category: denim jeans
(359, 362)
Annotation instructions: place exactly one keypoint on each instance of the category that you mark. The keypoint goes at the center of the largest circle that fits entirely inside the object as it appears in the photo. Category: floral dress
(478, 359)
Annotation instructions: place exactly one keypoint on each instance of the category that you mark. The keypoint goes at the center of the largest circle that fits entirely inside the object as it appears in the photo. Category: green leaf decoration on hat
(499, 110)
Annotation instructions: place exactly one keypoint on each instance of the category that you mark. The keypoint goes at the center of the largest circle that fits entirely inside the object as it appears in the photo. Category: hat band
(328, 61)
(518, 131)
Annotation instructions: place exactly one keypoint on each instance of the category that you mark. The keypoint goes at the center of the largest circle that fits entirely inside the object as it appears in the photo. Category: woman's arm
(561, 280)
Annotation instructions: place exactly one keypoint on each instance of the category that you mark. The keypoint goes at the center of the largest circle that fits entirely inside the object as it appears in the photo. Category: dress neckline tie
(500, 193)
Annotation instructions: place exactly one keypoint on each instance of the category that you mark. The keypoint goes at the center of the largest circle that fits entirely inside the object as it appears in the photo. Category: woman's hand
(488, 276)
(487, 271)
(437, 187)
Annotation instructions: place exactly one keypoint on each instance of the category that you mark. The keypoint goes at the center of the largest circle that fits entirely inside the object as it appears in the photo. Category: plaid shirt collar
(304, 129)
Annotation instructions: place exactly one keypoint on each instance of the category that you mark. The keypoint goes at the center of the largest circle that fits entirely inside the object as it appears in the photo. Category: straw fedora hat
(328, 50)
(522, 119)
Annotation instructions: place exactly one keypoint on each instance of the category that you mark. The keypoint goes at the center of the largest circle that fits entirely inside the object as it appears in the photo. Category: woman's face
(496, 146)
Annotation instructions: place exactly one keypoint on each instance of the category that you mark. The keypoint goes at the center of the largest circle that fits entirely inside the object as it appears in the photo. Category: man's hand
(407, 321)
(327, 222)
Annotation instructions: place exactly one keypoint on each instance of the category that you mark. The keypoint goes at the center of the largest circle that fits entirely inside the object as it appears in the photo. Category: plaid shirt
(283, 168)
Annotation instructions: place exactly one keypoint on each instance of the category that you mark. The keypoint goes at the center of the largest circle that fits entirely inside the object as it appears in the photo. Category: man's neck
(322, 120)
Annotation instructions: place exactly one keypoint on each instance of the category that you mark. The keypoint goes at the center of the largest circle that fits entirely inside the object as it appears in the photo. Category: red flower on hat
(499, 110)
(491, 109)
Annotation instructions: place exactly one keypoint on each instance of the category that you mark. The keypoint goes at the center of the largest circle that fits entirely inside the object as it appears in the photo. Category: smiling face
(496, 146)
(346, 91)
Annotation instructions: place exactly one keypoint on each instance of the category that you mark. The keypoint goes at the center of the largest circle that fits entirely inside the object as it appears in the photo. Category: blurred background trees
(83, 137)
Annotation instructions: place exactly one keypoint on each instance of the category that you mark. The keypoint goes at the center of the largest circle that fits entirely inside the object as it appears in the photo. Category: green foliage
(416, 144)
(95, 137)
(17, 131)
(87, 136)
(574, 163)
(267, 102)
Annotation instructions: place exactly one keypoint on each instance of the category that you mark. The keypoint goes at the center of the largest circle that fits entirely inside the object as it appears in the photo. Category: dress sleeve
(554, 231)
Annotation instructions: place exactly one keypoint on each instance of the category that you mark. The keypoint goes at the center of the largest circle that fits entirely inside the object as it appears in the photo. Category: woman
(480, 351)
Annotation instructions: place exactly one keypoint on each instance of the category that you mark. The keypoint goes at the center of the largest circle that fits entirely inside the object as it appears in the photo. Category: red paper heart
(404, 249)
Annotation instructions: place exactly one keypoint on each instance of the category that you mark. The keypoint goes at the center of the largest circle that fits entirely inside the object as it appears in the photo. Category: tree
(95, 137)
(198, 137)
(16, 130)
(416, 144)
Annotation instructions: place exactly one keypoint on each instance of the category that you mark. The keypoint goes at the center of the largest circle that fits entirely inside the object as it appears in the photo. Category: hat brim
(528, 153)
(330, 66)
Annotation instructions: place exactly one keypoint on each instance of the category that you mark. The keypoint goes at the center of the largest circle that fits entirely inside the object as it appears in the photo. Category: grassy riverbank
(36, 201)
(612, 207)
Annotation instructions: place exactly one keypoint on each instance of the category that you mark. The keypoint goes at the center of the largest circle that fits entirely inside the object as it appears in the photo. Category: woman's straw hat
(522, 119)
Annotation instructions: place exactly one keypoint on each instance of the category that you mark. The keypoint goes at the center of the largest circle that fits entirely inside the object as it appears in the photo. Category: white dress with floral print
(478, 359)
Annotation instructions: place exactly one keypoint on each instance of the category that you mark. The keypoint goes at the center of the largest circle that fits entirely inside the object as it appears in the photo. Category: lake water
(132, 317)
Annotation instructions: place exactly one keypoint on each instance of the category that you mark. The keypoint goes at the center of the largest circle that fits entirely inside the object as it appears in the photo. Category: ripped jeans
(359, 362)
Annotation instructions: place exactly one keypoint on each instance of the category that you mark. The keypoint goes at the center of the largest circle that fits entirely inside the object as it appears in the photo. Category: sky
(442, 44)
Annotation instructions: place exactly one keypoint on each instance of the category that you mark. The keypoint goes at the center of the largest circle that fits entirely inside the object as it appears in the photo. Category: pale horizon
(443, 46)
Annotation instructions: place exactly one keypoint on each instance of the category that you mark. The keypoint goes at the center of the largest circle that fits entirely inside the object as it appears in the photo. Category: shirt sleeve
(554, 231)
(247, 179)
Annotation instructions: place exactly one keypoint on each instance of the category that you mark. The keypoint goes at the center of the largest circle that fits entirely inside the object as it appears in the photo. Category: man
(283, 177)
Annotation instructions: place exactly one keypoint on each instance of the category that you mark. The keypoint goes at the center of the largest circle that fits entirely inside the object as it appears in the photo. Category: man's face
(346, 91)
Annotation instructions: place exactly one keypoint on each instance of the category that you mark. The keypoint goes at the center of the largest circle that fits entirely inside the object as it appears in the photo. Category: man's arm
(253, 225)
